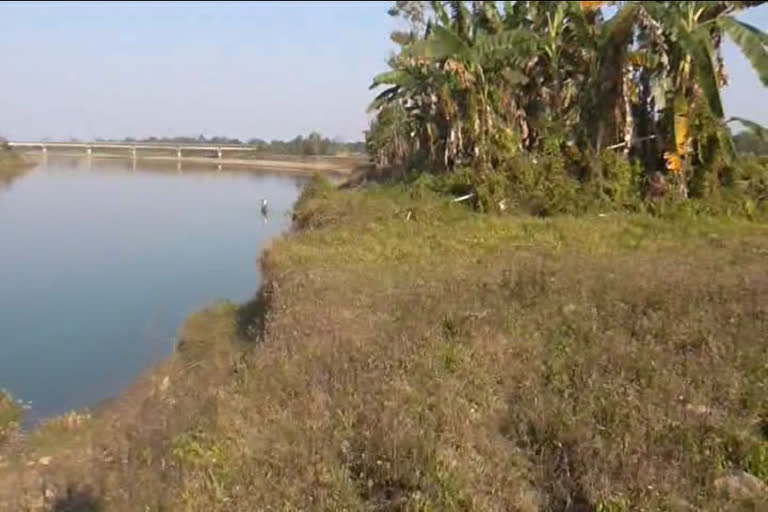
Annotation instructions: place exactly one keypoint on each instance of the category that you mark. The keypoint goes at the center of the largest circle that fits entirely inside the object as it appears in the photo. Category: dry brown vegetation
(450, 361)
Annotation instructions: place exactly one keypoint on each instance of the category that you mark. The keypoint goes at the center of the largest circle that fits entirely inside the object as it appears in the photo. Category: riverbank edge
(13, 164)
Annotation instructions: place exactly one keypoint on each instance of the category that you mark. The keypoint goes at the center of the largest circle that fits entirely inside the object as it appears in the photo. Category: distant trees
(312, 144)
(751, 143)
(201, 139)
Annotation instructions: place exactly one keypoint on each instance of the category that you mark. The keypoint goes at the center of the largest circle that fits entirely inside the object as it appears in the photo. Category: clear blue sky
(266, 69)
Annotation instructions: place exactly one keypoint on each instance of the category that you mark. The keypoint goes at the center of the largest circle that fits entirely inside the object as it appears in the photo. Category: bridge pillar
(89, 150)
(45, 149)
(219, 152)
(133, 152)
(178, 153)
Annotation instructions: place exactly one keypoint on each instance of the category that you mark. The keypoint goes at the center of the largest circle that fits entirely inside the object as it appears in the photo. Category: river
(100, 263)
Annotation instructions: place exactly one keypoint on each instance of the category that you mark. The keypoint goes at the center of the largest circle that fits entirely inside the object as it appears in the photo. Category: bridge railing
(91, 146)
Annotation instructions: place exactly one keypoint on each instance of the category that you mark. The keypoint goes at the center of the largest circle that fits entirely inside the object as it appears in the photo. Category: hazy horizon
(265, 70)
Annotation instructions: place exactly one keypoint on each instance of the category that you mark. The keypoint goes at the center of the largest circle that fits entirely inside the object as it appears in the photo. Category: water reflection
(102, 259)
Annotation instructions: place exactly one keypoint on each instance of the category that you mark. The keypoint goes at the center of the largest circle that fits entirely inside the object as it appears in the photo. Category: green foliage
(752, 42)
(578, 182)
(547, 183)
(746, 451)
(387, 139)
(312, 144)
(196, 449)
(10, 415)
(305, 214)
(751, 144)
(542, 185)
(613, 505)
(477, 88)
(756, 461)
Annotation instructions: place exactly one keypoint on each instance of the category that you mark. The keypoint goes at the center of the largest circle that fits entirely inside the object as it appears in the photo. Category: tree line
(312, 144)
(751, 143)
(489, 90)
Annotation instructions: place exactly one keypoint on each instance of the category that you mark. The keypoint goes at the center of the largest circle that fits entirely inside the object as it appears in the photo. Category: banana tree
(691, 75)
(463, 60)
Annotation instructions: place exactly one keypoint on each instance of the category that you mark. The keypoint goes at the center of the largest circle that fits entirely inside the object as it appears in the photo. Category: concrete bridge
(132, 148)
(231, 155)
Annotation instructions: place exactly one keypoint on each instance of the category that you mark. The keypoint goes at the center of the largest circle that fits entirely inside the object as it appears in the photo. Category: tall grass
(10, 415)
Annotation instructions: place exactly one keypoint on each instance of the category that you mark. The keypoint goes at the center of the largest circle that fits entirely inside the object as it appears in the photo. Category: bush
(743, 193)
(318, 188)
(565, 179)
(572, 182)
(10, 415)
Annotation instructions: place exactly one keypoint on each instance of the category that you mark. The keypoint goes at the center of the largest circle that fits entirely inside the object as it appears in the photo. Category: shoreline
(13, 165)
(145, 382)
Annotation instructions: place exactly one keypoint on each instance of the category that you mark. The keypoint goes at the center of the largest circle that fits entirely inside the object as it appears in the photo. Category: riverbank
(10, 415)
(12, 165)
(338, 165)
(406, 353)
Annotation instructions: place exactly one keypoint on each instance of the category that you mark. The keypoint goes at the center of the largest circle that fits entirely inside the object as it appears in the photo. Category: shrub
(10, 415)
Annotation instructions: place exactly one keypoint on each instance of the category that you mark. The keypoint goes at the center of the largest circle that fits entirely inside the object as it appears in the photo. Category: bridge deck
(103, 145)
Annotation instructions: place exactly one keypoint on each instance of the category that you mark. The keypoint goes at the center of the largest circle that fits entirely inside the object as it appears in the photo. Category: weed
(10, 415)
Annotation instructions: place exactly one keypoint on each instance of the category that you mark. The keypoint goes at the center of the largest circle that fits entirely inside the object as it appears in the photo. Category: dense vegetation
(10, 414)
(312, 144)
(751, 143)
(556, 105)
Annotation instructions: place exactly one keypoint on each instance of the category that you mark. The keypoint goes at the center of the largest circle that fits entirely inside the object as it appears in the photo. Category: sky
(270, 70)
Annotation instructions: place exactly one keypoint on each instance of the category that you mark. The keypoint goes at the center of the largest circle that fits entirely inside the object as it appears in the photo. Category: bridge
(230, 155)
(133, 148)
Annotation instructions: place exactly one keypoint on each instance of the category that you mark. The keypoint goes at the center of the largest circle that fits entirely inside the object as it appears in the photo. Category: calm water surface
(100, 264)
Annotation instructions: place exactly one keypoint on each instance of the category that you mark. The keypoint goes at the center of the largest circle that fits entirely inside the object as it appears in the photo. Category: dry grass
(10, 415)
(451, 361)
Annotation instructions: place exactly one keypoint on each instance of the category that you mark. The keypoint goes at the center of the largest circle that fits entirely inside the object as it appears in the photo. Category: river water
(100, 263)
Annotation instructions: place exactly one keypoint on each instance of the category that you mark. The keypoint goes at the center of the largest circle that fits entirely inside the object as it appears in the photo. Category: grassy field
(407, 354)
